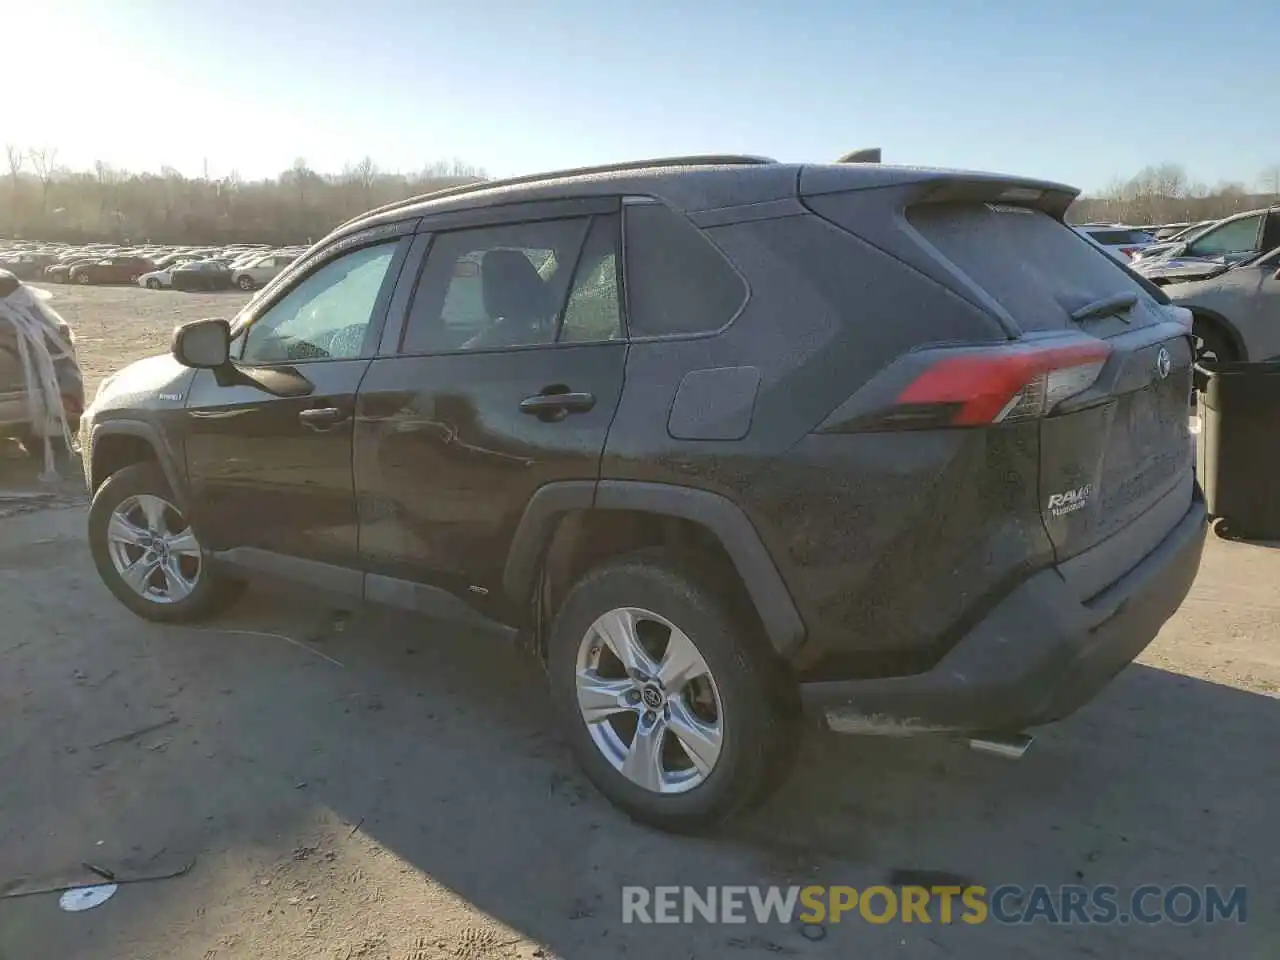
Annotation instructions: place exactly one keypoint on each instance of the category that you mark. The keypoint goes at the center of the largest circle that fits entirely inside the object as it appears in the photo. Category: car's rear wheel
(676, 708)
(146, 552)
(245, 283)
(153, 283)
(82, 278)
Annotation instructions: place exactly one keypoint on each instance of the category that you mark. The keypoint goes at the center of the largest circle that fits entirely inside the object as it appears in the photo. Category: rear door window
(494, 287)
(677, 281)
(1038, 269)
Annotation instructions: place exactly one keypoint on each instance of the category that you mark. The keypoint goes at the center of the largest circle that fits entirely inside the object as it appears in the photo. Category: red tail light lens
(1001, 385)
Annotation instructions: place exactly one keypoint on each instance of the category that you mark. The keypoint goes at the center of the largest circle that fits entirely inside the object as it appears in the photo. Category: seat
(516, 299)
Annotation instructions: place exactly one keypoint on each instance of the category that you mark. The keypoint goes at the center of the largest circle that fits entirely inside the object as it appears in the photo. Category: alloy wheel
(649, 701)
(153, 549)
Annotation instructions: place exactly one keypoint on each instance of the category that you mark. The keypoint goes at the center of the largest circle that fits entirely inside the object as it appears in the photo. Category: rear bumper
(1040, 655)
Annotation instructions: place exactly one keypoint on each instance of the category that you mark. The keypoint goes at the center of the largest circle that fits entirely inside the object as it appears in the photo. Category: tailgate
(1108, 455)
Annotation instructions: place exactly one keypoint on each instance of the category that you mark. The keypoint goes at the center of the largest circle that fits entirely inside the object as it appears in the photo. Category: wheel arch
(722, 520)
(117, 444)
(1219, 322)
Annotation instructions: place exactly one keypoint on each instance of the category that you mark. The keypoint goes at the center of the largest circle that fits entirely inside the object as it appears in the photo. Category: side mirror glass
(203, 344)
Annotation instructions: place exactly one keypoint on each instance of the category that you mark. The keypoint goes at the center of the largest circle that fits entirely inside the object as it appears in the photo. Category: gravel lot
(381, 787)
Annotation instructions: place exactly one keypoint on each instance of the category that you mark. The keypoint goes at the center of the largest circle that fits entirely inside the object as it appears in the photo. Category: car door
(1260, 324)
(268, 444)
(504, 377)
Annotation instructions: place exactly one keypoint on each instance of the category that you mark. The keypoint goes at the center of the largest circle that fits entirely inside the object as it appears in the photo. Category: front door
(506, 377)
(271, 474)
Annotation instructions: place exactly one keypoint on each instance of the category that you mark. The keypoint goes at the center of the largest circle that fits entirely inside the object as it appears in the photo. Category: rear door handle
(557, 406)
(320, 418)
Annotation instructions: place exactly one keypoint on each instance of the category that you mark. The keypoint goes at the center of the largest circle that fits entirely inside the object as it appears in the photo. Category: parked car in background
(201, 275)
(1173, 245)
(14, 411)
(1236, 313)
(1119, 241)
(1227, 242)
(59, 272)
(261, 270)
(121, 269)
(27, 266)
(161, 279)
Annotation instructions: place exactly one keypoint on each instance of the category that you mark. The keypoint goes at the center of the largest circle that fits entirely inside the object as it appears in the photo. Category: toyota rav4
(721, 438)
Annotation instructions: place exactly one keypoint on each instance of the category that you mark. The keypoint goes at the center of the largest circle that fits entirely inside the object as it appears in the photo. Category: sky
(1081, 91)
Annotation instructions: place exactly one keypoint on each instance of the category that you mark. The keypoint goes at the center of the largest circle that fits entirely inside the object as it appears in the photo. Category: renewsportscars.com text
(1005, 904)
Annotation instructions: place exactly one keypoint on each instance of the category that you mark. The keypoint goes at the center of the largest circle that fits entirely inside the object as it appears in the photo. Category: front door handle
(557, 406)
(321, 418)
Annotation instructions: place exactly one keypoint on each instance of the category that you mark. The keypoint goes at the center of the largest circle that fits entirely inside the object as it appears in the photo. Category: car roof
(687, 184)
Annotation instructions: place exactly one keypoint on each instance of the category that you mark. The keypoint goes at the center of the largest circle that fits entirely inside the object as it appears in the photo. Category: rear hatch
(1119, 448)
(1113, 363)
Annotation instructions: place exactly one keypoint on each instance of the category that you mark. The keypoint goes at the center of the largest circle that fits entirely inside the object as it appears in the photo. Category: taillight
(1002, 385)
(1129, 251)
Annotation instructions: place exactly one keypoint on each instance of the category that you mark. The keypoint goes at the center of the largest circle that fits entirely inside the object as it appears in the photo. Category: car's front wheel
(82, 279)
(245, 283)
(146, 551)
(153, 283)
(676, 708)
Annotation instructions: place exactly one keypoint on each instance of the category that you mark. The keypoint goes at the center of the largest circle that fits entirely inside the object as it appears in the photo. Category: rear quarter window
(1035, 267)
(677, 281)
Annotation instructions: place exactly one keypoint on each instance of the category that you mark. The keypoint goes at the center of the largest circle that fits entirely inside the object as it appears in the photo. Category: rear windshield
(1120, 238)
(1035, 267)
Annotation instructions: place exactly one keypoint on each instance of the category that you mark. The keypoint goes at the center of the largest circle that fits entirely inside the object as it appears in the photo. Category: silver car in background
(1236, 314)
(261, 270)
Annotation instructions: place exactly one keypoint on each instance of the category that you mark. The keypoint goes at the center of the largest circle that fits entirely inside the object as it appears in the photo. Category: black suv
(721, 437)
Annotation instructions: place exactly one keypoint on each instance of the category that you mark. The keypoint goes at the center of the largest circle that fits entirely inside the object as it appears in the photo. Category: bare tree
(104, 203)
(43, 161)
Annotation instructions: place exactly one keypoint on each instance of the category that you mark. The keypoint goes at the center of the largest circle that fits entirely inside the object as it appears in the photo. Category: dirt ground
(375, 786)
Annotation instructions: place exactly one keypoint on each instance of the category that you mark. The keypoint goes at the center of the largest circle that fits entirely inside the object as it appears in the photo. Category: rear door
(1120, 449)
(505, 377)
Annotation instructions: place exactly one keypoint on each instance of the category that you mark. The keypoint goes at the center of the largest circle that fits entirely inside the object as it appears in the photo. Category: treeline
(1164, 194)
(40, 200)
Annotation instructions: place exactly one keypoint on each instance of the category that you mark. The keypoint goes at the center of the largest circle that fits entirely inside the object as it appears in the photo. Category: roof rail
(693, 160)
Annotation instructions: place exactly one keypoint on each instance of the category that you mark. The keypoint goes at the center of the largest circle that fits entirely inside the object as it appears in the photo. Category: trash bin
(1238, 450)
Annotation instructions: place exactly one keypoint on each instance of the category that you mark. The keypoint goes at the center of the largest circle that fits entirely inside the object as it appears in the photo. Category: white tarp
(39, 345)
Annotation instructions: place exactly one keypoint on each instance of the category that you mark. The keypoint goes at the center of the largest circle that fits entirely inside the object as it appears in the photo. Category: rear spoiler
(919, 185)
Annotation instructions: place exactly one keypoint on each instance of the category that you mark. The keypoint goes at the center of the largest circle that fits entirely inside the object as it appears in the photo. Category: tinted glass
(326, 316)
(1036, 268)
(493, 287)
(593, 311)
(1238, 236)
(677, 281)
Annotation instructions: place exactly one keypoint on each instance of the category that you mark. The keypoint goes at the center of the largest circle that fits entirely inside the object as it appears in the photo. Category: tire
(82, 279)
(246, 283)
(1211, 343)
(203, 592)
(153, 284)
(749, 701)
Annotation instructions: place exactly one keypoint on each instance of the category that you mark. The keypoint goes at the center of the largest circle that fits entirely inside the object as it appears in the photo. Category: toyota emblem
(1164, 363)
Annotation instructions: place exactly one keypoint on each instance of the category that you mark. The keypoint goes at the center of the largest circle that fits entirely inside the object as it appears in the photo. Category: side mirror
(202, 344)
